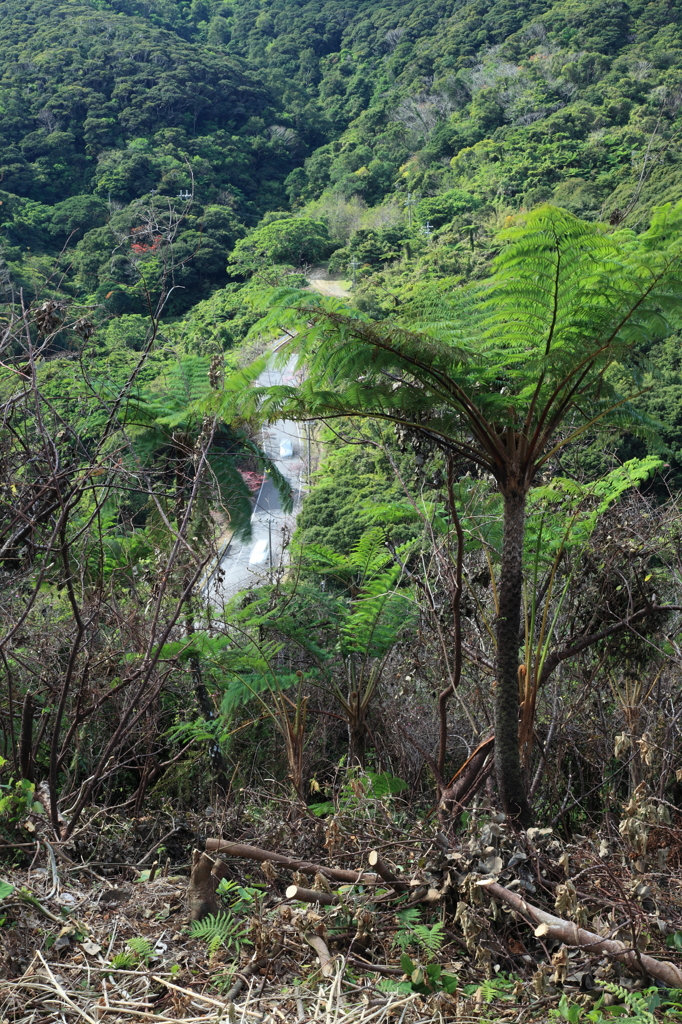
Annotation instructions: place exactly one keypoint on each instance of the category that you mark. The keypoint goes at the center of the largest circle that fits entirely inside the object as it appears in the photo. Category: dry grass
(61, 955)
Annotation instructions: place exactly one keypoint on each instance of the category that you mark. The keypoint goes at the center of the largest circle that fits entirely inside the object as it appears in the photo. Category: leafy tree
(506, 375)
(293, 240)
(444, 207)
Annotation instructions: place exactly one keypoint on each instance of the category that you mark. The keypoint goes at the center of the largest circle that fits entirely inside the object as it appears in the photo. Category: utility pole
(428, 230)
(270, 541)
(184, 195)
(354, 270)
(408, 204)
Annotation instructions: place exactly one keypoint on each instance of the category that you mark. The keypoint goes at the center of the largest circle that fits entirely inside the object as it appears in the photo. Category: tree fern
(506, 374)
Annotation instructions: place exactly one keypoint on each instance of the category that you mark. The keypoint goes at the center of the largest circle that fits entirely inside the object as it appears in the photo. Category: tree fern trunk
(507, 755)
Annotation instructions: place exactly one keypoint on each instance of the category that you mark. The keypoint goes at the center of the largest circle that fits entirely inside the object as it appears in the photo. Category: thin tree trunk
(206, 706)
(26, 741)
(456, 631)
(218, 766)
(507, 757)
(357, 730)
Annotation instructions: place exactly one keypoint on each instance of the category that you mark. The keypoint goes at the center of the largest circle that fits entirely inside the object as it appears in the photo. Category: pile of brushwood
(270, 912)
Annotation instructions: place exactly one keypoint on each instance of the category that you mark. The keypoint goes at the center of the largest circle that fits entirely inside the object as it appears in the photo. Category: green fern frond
(409, 917)
(430, 939)
(221, 929)
(641, 1004)
(378, 614)
(138, 950)
(234, 495)
(140, 946)
(123, 960)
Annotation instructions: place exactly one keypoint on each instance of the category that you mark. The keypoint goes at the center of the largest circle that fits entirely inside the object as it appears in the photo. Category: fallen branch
(326, 899)
(385, 872)
(249, 971)
(189, 992)
(365, 965)
(572, 935)
(23, 898)
(225, 848)
(323, 954)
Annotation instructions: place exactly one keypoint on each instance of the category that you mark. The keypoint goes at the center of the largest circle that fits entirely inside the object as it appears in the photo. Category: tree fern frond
(234, 494)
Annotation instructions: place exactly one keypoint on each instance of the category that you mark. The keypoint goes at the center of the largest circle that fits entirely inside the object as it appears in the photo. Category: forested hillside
(340, 510)
(469, 107)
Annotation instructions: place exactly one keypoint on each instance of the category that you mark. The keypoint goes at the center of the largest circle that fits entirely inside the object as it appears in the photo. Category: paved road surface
(319, 282)
(246, 564)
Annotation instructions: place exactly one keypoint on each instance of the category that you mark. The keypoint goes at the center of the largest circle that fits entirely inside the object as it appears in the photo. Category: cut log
(570, 934)
(385, 872)
(227, 849)
(326, 899)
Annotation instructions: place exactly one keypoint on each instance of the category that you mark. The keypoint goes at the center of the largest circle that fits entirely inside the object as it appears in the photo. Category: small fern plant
(430, 940)
(412, 932)
(407, 919)
(640, 1004)
(219, 930)
(138, 951)
(633, 1008)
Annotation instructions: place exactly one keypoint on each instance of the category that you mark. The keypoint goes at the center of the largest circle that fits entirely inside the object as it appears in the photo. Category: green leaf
(6, 889)
(326, 807)
(406, 964)
(569, 1013)
(384, 784)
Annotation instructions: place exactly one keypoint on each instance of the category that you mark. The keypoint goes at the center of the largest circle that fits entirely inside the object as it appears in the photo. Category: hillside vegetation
(466, 661)
(473, 109)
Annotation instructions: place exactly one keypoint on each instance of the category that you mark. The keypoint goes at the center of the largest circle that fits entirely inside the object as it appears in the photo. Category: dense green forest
(398, 285)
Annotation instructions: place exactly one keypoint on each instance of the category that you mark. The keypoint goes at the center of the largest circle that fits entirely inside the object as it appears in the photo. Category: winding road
(245, 564)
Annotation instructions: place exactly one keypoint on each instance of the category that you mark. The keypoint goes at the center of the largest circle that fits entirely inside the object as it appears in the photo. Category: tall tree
(503, 374)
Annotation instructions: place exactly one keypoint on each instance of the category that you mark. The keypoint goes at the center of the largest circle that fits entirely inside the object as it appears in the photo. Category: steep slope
(99, 110)
(78, 83)
(575, 102)
(464, 111)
